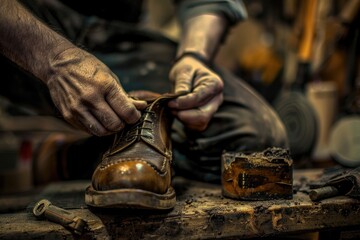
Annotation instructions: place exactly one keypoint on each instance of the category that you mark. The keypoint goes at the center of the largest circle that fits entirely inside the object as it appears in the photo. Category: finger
(199, 118)
(139, 104)
(123, 106)
(92, 125)
(64, 106)
(71, 120)
(107, 117)
(96, 105)
(87, 121)
(203, 92)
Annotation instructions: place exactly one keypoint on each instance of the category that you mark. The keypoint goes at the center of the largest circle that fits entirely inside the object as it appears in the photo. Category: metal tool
(323, 192)
(45, 209)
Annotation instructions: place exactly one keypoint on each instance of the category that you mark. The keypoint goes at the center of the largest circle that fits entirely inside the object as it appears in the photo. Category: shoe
(136, 171)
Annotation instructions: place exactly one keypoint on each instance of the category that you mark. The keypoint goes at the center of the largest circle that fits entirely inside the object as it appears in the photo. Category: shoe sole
(130, 198)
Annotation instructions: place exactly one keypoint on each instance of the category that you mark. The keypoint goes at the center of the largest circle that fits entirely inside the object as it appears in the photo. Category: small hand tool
(323, 192)
(45, 209)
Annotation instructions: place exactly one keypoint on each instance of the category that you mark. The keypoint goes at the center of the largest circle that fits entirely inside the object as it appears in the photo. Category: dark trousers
(142, 60)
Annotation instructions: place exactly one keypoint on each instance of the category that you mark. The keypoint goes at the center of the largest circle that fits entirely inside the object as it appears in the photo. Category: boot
(136, 171)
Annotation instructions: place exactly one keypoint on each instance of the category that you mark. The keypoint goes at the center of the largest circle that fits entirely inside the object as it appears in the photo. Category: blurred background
(301, 55)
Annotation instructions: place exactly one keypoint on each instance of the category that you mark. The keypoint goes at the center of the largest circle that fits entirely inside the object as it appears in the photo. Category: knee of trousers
(235, 130)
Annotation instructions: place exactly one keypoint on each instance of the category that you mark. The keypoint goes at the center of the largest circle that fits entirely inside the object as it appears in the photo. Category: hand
(204, 93)
(89, 95)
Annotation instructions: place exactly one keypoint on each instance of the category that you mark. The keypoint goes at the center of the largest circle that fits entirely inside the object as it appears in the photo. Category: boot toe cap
(134, 174)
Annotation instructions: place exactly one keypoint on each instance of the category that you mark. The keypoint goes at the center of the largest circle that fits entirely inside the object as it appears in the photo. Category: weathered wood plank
(201, 213)
(26, 226)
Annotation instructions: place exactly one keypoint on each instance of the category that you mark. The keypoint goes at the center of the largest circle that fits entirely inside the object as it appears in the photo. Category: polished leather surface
(140, 157)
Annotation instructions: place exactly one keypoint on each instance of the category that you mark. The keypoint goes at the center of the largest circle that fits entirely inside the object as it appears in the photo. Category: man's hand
(204, 93)
(89, 95)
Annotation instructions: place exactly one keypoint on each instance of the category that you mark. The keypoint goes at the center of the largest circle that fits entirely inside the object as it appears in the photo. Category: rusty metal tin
(257, 176)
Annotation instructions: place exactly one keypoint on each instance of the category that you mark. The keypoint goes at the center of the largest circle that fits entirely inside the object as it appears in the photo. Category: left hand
(203, 96)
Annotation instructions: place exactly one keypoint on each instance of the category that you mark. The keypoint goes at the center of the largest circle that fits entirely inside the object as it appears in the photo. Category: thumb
(183, 78)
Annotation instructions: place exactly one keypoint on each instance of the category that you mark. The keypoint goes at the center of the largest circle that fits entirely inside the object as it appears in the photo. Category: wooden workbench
(201, 212)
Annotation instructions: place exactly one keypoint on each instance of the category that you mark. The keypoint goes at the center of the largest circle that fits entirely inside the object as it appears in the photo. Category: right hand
(204, 93)
(88, 94)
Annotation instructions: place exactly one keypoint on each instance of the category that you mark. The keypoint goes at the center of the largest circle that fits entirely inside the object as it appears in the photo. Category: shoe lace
(142, 128)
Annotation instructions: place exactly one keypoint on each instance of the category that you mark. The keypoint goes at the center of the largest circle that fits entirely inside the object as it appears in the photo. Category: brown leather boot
(136, 171)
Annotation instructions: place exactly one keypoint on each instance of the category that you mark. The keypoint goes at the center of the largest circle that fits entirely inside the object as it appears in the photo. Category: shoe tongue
(145, 128)
(165, 97)
(144, 95)
(150, 97)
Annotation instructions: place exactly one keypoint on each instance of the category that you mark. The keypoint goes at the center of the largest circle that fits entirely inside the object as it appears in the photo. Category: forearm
(27, 41)
(202, 34)
(204, 24)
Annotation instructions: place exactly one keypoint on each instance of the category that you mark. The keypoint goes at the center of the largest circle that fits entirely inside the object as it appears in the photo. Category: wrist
(51, 59)
(202, 35)
(198, 56)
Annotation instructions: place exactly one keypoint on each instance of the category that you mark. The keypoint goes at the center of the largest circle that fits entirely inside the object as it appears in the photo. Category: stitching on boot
(164, 164)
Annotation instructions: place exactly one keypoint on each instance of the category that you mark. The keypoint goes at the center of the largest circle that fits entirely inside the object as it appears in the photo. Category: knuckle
(217, 84)
(111, 90)
(220, 84)
(89, 97)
